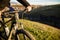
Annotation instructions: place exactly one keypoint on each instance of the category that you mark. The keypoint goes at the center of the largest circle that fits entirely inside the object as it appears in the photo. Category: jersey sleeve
(24, 3)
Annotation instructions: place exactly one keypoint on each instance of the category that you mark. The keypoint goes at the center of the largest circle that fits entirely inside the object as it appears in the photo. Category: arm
(24, 2)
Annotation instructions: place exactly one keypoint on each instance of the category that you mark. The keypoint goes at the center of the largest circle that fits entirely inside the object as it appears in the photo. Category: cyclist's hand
(29, 8)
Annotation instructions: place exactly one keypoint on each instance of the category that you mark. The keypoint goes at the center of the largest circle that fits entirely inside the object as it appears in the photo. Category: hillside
(41, 31)
(47, 14)
(50, 10)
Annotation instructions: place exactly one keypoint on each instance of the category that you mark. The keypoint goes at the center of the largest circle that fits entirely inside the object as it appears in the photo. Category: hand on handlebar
(29, 8)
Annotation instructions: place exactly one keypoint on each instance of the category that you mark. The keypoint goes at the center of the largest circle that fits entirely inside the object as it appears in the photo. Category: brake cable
(23, 18)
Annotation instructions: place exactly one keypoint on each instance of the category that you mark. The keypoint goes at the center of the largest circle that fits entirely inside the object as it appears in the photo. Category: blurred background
(43, 22)
(44, 11)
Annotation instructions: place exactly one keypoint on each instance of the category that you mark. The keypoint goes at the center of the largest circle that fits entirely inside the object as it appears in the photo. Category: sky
(41, 2)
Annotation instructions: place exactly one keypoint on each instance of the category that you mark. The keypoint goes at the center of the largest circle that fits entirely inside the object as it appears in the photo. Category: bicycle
(14, 31)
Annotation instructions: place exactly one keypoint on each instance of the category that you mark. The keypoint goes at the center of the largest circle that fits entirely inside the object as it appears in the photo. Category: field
(41, 31)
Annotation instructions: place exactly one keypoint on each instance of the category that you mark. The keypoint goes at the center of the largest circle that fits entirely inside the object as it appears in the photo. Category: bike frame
(14, 25)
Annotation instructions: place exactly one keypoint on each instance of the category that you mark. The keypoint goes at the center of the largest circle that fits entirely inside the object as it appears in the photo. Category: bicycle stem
(24, 11)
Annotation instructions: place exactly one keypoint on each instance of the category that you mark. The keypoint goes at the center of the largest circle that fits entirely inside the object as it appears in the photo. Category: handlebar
(16, 11)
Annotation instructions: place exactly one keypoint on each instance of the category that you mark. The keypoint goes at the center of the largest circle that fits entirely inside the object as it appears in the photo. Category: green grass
(41, 31)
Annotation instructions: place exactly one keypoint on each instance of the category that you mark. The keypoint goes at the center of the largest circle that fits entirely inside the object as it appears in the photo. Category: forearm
(24, 2)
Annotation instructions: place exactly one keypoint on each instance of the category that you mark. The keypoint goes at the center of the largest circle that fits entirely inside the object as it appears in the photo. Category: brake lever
(25, 10)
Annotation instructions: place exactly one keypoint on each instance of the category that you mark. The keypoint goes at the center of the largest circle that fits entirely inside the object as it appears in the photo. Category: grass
(41, 31)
